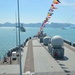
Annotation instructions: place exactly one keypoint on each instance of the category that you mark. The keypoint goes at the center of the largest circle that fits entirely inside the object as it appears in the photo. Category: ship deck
(37, 60)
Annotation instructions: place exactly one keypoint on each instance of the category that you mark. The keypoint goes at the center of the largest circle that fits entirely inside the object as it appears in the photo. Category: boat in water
(22, 29)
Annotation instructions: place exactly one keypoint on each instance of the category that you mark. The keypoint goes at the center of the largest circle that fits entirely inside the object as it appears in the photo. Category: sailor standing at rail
(5, 59)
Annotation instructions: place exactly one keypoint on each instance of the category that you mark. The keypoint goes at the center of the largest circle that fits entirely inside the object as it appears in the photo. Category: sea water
(8, 36)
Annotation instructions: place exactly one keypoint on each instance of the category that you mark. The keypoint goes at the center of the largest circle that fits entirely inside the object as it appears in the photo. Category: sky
(34, 11)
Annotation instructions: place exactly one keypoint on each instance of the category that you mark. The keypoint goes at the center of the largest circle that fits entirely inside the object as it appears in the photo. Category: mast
(16, 30)
(19, 37)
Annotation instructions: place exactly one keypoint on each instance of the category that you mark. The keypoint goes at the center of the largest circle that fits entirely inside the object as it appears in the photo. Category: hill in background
(52, 25)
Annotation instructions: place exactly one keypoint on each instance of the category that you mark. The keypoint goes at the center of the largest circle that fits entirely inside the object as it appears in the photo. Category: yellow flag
(55, 2)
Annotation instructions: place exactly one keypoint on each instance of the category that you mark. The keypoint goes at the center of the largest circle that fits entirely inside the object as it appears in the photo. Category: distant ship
(63, 28)
(22, 29)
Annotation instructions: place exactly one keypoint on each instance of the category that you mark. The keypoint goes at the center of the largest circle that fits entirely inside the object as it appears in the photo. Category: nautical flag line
(50, 13)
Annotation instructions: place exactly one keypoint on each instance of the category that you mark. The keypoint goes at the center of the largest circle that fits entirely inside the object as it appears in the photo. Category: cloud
(65, 3)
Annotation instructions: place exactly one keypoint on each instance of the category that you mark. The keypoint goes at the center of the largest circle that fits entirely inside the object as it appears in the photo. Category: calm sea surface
(8, 36)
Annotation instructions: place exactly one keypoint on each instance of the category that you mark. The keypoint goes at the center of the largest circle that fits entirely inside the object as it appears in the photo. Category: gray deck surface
(68, 63)
(29, 64)
(43, 63)
(9, 69)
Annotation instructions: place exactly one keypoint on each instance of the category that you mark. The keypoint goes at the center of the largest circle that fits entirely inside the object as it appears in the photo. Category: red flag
(52, 6)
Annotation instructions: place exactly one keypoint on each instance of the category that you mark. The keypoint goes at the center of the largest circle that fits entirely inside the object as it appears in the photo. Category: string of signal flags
(50, 13)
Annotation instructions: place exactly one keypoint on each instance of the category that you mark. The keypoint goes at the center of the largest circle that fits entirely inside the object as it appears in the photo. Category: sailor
(5, 59)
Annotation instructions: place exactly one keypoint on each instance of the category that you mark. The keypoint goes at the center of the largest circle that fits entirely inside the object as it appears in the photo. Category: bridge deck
(44, 64)
(35, 58)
